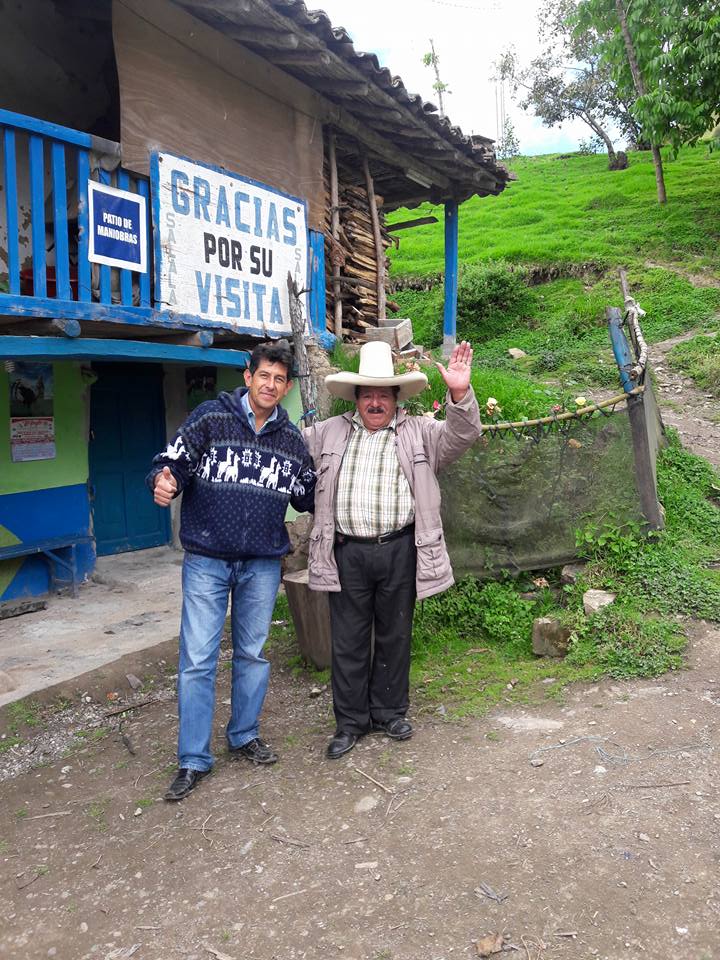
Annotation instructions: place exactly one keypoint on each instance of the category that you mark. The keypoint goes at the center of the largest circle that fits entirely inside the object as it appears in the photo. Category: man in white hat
(377, 542)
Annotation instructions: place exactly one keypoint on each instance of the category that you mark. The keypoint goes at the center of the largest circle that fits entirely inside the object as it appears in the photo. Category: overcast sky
(468, 35)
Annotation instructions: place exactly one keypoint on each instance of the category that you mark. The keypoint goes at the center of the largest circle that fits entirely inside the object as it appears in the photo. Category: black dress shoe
(184, 782)
(341, 743)
(397, 729)
(256, 750)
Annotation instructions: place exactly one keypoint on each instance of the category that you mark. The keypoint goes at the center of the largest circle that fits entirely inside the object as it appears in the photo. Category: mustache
(376, 408)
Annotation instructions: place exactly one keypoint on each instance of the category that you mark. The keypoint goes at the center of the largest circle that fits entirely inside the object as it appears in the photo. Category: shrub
(491, 297)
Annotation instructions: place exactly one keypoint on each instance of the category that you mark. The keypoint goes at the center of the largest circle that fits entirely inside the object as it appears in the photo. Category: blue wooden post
(621, 348)
(37, 214)
(84, 279)
(105, 275)
(13, 257)
(123, 182)
(144, 190)
(316, 254)
(63, 291)
(451, 277)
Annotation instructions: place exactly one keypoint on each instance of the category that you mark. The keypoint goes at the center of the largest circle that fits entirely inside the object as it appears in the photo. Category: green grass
(9, 742)
(23, 713)
(573, 210)
(699, 358)
(472, 646)
(565, 331)
(562, 230)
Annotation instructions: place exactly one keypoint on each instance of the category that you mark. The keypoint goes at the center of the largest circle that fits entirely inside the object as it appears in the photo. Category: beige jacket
(424, 447)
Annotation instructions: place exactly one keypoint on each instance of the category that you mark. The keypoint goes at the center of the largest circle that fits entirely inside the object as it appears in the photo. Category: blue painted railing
(58, 215)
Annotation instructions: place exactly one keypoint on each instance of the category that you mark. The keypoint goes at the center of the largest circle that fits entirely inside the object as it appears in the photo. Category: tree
(664, 56)
(508, 145)
(569, 79)
(433, 60)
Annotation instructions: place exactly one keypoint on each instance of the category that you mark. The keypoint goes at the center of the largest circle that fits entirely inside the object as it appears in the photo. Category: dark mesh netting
(517, 498)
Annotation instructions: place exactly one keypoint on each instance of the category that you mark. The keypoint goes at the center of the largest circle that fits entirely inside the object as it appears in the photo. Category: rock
(7, 684)
(299, 534)
(550, 638)
(489, 944)
(594, 600)
(516, 353)
(571, 572)
(135, 682)
(536, 762)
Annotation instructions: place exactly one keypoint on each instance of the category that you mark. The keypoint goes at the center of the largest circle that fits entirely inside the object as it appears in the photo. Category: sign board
(118, 227)
(224, 246)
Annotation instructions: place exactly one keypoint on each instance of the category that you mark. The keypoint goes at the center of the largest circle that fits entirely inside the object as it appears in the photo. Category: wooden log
(335, 231)
(310, 611)
(308, 389)
(407, 224)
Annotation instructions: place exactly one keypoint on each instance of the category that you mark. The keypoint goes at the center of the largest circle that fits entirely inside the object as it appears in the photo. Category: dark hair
(395, 389)
(273, 351)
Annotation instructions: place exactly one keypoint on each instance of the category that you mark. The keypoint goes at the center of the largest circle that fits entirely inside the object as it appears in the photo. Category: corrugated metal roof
(305, 44)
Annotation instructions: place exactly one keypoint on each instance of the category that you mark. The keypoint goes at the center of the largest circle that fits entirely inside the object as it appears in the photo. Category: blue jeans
(207, 582)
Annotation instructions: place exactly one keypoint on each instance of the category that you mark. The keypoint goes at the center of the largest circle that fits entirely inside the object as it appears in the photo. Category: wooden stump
(310, 610)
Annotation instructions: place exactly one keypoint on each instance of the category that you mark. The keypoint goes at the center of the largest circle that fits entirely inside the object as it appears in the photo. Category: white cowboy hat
(376, 370)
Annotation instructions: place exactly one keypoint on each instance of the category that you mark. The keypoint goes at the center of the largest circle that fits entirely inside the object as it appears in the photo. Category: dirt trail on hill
(684, 406)
(583, 828)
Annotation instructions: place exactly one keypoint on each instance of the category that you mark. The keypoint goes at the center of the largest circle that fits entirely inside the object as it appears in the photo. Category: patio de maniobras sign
(224, 246)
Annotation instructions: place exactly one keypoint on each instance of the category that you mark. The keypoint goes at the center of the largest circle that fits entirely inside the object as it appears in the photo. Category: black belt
(383, 538)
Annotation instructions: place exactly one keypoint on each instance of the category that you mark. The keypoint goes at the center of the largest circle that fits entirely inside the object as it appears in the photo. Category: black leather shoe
(185, 781)
(256, 750)
(341, 743)
(397, 729)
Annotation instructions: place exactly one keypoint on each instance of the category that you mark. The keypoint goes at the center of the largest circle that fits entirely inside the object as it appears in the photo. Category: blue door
(127, 428)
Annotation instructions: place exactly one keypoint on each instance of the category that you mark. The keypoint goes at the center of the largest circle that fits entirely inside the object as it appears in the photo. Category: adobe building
(166, 169)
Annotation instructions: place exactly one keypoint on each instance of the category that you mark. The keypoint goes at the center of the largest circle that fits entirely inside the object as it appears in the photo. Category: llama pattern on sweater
(259, 468)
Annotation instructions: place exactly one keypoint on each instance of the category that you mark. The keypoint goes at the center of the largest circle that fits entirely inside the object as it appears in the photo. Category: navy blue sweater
(236, 485)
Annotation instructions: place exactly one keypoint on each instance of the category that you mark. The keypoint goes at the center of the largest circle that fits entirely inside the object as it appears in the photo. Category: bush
(491, 297)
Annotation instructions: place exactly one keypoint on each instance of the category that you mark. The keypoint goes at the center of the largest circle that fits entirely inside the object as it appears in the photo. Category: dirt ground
(607, 847)
(583, 828)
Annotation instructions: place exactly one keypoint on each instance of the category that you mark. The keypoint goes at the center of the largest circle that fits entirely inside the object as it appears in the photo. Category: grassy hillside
(570, 222)
(573, 210)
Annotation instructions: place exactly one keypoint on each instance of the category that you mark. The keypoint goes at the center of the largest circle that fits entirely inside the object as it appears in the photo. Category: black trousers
(377, 583)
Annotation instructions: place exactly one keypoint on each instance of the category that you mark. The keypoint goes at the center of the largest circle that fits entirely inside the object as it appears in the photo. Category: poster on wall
(224, 246)
(32, 425)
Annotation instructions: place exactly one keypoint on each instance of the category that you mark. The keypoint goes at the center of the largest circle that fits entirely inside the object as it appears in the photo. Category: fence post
(644, 461)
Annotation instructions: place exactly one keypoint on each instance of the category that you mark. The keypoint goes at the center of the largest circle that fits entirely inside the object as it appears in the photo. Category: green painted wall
(71, 461)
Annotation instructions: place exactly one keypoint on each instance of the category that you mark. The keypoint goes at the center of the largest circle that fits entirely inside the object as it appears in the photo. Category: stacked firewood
(354, 249)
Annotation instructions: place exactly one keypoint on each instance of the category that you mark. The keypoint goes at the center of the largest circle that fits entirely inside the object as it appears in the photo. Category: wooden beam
(276, 39)
(379, 249)
(203, 338)
(300, 58)
(340, 88)
(335, 228)
(65, 326)
(407, 224)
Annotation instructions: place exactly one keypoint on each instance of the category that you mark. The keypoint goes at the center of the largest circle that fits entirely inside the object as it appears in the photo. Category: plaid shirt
(373, 495)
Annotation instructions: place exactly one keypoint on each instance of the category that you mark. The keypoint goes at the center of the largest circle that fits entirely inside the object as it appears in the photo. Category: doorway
(127, 429)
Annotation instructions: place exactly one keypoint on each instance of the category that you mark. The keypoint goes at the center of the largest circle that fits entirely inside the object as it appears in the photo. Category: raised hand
(457, 373)
(165, 487)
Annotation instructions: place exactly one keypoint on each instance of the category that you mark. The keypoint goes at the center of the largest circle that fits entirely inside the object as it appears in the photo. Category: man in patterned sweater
(238, 462)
